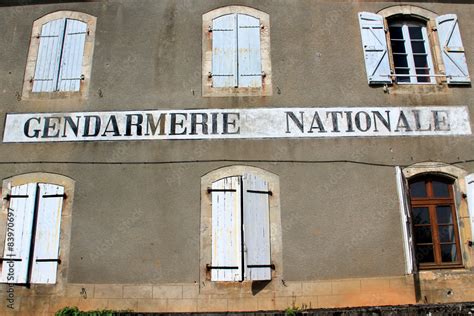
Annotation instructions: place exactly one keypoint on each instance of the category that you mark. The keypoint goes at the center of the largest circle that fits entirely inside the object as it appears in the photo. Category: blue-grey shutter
(470, 201)
(256, 228)
(46, 252)
(226, 230)
(249, 56)
(49, 55)
(452, 49)
(224, 51)
(18, 232)
(73, 52)
(374, 43)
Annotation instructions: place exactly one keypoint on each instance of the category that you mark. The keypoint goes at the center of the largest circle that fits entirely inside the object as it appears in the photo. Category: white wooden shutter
(470, 201)
(256, 228)
(73, 52)
(224, 51)
(453, 53)
(49, 55)
(374, 43)
(226, 230)
(46, 252)
(249, 57)
(18, 234)
(408, 243)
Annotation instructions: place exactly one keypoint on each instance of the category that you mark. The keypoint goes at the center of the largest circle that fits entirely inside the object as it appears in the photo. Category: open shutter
(405, 211)
(18, 234)
(470, 201)
(49, 55)
(256, 228)
(46, 253)
(73, 52)
(453, 53)
(226, 230)
(250, 62)
(224, 51)
(374, 43)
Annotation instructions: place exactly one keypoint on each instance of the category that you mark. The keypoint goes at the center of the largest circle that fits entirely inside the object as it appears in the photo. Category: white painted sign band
(238, 124)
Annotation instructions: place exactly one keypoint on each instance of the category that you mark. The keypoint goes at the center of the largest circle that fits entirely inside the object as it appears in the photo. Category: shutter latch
(209, 29)
(209, 74)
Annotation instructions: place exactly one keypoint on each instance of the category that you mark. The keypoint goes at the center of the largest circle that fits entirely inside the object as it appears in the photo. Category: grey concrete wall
(139, 223)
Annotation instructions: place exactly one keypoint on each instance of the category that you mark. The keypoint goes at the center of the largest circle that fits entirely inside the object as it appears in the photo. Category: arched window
(60, 54)
(411, 51)
(434, 222)
(236, 52)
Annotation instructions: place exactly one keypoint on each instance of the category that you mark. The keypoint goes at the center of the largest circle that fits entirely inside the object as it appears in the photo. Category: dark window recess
(435, 230)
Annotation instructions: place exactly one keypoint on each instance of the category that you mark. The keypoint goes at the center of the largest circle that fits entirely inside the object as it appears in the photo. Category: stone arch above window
(213, 184)
(408, 10)
(228, 70)
(60, 56)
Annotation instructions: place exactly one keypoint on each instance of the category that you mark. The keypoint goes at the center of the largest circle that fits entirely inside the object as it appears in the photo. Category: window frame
(207, 21)
(65, 223)
(406, 22)
(91, 21)
(431, 202)
(208, 286)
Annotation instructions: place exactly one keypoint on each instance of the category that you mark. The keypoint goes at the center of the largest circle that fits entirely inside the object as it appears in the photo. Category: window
(410, 45)
(435, 230)
(240, 227)
(411, 52)
(60, 54)
(31, 249)
(236, 59)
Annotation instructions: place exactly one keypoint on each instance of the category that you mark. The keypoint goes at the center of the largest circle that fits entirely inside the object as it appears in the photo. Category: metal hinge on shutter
(260, 192)
(209, 267)
(49, 260)
(55, 195)
(9, 196)
(210, 190)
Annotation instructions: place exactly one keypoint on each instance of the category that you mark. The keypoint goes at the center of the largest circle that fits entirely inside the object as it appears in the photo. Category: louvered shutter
(224, 51)
(374, 43)
(226, 230)
(405, 211)
(18, 234)
(249, 58)
(453, 53)
(470, 201)
(73, 52)
(49, 55)
(46, 251)
(256, 228)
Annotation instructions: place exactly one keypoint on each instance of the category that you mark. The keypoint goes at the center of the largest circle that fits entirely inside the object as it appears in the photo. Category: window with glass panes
(435, 230)
(411, 52)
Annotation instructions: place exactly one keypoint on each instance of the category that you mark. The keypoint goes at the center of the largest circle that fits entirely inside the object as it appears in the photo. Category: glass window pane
(418, 47)
(396, 32)
(398, 47)
(418, 189)
(440, 189)
(423, 72)
(444, 215)
(400, 61)
(448, 253)
(421, 215)
(423, 235)
(415, 32)
(446, 233)
(421, 61)
(424, 254)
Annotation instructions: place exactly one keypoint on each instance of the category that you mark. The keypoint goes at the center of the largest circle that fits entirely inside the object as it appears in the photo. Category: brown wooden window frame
(431, 202)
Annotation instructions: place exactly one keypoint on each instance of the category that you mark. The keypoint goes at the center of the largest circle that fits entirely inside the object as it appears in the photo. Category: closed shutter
(453, 53)
(470, 201)
(73, 52)
(374, 43)
(224, 51)
(256, 228)
(226, 230)
(249, 60)
(49, 55)
(46, 253)
(18, 234)
(405, 211)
